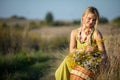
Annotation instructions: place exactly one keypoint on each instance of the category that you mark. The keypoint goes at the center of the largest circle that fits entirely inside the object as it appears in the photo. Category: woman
(87, 51)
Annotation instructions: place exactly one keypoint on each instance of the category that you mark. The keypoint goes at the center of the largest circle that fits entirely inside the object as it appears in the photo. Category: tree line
(49, 20)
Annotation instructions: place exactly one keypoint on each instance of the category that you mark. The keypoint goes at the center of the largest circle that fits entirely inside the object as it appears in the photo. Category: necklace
(83, 39)
(84, 35)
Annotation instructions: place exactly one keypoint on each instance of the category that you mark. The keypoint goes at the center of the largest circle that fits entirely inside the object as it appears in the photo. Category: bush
(103, 20)
(76, 22)
(116, 21)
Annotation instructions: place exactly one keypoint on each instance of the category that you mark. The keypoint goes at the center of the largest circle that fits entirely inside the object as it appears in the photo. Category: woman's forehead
(91, 15)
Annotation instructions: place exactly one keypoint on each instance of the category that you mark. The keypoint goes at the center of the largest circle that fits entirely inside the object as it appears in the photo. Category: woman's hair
(92, 10)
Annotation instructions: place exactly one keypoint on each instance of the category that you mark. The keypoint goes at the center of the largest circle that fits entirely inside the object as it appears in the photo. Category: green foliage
(17, 17)
(103, 20)
(49, 18)
(4, 38)
(58, 23)
(10, 40)
(23, 66)
(15, 39)
(62, 23)
(116, 21)
(76, 22)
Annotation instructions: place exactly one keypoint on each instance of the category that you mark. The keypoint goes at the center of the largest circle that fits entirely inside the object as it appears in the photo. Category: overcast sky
(61, 9)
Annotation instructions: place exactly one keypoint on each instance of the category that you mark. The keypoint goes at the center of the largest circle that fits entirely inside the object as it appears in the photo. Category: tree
(103, 20)
(49, 18)
(17, 17)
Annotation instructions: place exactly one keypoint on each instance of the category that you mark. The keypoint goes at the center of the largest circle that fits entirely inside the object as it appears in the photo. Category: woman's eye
(94, 19)
(89, 18)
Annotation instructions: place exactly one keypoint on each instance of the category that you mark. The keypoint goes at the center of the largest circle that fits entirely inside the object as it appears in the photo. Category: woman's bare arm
(99, 40)
(72, 41)
(101, 47)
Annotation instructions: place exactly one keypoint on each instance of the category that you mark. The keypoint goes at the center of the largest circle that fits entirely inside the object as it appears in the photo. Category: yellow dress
(63, 71)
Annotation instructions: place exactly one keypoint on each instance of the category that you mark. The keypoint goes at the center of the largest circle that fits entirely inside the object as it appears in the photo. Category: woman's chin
(89, 26)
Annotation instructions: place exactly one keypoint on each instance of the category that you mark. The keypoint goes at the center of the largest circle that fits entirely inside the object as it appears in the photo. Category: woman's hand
(89, 49)
(80, 50)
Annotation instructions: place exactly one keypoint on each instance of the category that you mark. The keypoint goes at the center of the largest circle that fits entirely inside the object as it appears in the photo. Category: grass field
(35, 54)
(111, 35)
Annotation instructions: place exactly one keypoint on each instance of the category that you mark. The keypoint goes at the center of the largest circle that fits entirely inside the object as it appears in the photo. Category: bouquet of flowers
(88, 60)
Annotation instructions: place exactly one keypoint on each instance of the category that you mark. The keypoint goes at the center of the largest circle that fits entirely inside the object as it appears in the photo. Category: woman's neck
(86, 30)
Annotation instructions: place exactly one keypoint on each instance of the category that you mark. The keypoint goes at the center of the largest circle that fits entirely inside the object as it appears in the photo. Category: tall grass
(23, 66)
(112, 44)
(113, 49)
(25, 56)
(22, 55)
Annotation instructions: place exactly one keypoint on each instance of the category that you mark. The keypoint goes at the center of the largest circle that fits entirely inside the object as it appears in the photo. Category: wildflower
(88, 60)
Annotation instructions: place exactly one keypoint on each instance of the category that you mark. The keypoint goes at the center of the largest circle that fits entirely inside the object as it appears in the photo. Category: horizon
(67, 10)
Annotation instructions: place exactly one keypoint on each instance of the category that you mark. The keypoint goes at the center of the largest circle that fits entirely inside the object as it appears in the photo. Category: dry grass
(48, 32)
(112, 44)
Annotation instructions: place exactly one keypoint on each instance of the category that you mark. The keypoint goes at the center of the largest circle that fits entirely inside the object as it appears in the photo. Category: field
(35, 53)
(111, 36)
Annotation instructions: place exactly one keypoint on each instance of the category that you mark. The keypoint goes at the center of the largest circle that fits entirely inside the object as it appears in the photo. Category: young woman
(87, 51)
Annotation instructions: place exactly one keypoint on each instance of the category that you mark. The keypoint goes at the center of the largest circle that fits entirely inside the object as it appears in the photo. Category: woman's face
(89, 20)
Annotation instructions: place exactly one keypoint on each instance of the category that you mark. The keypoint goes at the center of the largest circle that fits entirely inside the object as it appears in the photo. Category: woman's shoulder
(75, 31)
(97, 34)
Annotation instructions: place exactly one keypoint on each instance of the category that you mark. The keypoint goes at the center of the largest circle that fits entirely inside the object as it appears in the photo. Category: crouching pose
(87, 51)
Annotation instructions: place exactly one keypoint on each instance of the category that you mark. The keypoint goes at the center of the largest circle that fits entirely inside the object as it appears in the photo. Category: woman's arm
(99, 40)
(101, 47)
(72, 46)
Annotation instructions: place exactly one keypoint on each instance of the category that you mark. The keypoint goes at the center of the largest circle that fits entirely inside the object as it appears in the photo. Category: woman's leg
(63, 71)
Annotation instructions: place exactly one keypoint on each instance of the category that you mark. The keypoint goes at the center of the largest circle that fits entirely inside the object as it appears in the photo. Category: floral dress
(89, 61)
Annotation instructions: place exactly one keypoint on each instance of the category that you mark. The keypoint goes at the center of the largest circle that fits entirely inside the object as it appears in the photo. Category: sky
(61, 9)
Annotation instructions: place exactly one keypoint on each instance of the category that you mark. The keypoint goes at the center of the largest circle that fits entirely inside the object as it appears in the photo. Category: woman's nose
(91, 21)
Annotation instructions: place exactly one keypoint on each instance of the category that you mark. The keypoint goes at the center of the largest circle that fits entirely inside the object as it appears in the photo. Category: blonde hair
(92, 10)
